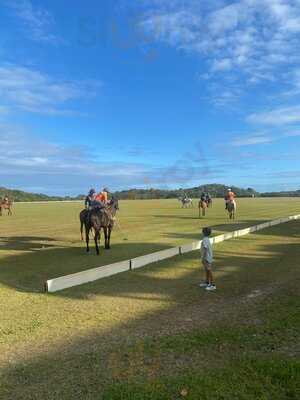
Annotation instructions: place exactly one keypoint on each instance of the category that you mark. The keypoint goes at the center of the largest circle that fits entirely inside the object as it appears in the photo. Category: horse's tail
(81, 229)
(82, 217)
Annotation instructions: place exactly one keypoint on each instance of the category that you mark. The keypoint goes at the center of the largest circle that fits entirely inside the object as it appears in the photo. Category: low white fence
(139, 262)
(90, 275)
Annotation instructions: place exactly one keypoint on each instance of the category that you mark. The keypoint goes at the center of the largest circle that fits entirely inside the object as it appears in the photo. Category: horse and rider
(230, 203)
(6, 204)
(96, 200)
(99, 213)
(185, 201)
(204, 202)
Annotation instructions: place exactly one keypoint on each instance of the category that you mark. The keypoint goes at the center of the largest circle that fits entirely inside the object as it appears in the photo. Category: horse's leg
(106, 237)
(87, 238)
(97, 237)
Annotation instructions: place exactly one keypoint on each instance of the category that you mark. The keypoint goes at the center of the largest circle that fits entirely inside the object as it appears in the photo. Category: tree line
(215, 190)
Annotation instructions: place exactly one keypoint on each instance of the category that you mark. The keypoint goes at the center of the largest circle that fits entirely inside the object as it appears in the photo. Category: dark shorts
(207, 266)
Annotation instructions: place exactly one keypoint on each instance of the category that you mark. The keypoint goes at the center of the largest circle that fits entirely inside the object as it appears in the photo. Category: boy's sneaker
(203, 284)
(211, 287)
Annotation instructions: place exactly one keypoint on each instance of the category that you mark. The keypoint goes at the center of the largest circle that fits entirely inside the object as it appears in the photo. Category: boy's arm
(204, 251)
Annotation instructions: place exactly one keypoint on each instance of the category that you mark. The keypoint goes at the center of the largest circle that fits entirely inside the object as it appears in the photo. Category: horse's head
(114, 205)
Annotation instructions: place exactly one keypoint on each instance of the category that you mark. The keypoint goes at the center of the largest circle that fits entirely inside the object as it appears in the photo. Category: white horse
(186, 202)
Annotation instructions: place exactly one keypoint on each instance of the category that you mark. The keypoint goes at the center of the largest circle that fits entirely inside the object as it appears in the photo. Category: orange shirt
(102, 196)
(230, 196)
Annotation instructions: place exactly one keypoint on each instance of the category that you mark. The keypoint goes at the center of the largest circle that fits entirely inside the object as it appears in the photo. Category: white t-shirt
(206, 250)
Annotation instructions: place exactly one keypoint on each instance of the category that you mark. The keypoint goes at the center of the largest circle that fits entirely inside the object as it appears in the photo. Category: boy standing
(207, 259)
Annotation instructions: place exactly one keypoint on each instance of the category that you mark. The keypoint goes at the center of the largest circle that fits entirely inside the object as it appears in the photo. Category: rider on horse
(97, 201)
(90, 198)
(229, 198)
(103, 196)
(203, 197)
(207, 198)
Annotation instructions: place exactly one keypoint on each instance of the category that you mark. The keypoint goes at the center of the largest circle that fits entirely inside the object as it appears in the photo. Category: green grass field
(152, 333)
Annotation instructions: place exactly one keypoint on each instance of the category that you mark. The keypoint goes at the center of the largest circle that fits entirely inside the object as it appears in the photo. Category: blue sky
(156, 93)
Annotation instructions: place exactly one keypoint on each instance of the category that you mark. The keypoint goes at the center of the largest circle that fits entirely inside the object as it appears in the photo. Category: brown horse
(96, 219)
(231, 208)
(6, 204)
(202, 205)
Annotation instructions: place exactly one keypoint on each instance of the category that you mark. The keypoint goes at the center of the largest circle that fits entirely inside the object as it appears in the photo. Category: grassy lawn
(42, 240)
(152, 333)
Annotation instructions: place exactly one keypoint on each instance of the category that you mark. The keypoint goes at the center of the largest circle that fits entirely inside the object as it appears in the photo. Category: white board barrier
(294, 217)
(54, 285)
(139, 262)
(218, 239)
(186, 248)
(90, 275)
(253, 228)
(228, 235)
(275, 222)
(262, 226)
(243, 232)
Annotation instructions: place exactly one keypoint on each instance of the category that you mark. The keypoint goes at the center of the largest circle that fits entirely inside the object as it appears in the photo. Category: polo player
(229, 198)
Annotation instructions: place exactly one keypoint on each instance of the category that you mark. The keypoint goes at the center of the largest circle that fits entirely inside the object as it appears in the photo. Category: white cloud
(37, 21)
(176, 28)
(32, 91)
(250, 140)
(222, 65)
(255, 40)
(279, 116)
(30, 161)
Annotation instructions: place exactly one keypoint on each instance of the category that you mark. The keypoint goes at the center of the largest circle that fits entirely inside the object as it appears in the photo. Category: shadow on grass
(27, 243)
(86, 364)
(176, 216)
(28, 272)
(216, 229)
(288, 229)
